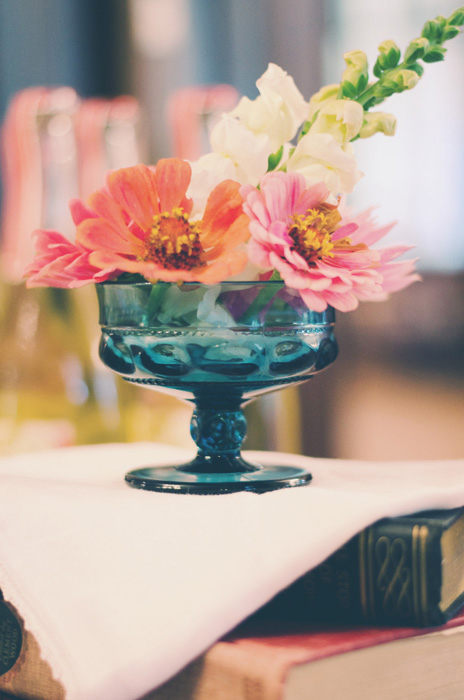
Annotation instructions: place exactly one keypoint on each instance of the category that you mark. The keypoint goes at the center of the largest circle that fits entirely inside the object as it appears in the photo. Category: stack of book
(379, 618)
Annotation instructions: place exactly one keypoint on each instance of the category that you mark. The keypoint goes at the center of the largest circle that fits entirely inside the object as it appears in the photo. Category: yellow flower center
(311, 233)
(174, 241)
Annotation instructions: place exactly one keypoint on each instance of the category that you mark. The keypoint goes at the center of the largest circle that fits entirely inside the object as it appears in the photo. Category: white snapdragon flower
(375, 122)
(320, 158)
(238, 155)
(326, 93)
(342, 119)
(248, 151)
(279, 109)
(207, 172)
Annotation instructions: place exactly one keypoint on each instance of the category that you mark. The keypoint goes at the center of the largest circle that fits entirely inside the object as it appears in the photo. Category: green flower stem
(261, 301)
(428, 48)
(156, 296)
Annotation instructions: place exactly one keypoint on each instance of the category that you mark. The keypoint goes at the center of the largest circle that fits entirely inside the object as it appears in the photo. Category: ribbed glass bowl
(218, 347)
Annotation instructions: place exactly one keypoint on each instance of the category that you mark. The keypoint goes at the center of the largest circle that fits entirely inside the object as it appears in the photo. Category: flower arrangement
(265, 203)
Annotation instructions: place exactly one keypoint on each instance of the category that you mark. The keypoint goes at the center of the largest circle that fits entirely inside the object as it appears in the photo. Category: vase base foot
(174, 480)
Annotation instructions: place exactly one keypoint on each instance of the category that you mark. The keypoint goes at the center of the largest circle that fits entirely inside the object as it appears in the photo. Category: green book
(406, 571)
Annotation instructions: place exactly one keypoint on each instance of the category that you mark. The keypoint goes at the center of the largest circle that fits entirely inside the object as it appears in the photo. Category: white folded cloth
(122, 588)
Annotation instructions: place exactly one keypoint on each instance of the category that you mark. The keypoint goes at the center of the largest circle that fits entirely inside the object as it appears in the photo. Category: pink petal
(398, 276)
(345, 231)
(79, 211)
(60, 263)
(313, 301)
(312, 197)
(172, 177)
(280, 193)
(107, 209)
(255, 208)
(341, 302)
(387, 254)
(258, 254)
(98, 234)
(134, 190)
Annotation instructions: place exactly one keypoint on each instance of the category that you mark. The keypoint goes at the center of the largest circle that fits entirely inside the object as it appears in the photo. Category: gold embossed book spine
(406, 571)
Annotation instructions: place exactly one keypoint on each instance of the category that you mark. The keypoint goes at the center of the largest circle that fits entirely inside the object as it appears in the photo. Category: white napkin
(122, 588)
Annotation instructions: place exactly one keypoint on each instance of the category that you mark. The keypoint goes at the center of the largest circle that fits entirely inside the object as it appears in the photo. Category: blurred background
(88, 85)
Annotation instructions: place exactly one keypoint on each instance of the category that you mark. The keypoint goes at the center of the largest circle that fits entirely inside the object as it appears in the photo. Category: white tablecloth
(122, 588)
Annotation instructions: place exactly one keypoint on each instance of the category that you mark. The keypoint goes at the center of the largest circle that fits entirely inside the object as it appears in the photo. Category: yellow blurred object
(54, 391)
(51, 393)
(150, 415)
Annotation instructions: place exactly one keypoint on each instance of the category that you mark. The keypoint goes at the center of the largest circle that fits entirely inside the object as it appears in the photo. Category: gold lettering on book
(423, 537)
(393, 580)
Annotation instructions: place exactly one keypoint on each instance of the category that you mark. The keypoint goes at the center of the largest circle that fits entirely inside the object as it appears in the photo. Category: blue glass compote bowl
(218, 347)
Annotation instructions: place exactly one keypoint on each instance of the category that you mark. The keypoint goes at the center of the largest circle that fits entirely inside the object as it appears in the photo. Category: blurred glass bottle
(51, 391)
(111, 134)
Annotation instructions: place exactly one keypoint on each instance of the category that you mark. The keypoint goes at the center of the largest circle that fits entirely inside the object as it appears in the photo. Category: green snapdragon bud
(397, 80)
(417, 49)
(394, 75)
(389, 55)
(404, 78)
(354, 78)
(432, 30)
(450, 33)
(457, 18)
(434, 54)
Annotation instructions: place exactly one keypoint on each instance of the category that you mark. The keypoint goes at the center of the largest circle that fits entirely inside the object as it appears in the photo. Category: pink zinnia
(59, 262)
(140, 224)
(329, 262)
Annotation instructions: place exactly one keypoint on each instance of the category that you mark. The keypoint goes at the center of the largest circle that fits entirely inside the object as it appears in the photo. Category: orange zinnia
(141, 224)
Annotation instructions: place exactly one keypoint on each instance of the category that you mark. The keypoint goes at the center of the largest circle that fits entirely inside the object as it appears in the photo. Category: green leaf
(156, 296)
(416, 49)
(450, 33)
(434, 54)
(274, 159)
(128, 278)
(306, 127)
(417, 68)
(457, 18)
(370, 103)
(377, 69)
(393, 57)
(260, 302)
(349, 90)
(414, 54)
(431, 30)
(383, 61)
(362, 83)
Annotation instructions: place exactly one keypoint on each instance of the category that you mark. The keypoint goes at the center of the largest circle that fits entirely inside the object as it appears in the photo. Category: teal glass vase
(217, 347)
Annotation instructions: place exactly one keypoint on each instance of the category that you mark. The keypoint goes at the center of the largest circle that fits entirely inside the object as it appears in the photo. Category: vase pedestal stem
(218, 434)
(218, 466)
